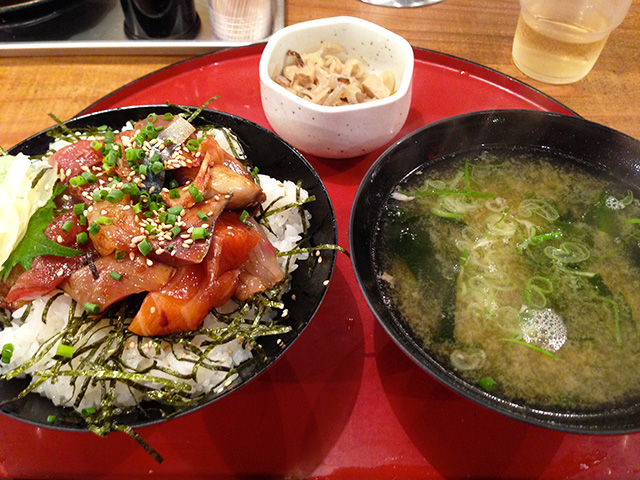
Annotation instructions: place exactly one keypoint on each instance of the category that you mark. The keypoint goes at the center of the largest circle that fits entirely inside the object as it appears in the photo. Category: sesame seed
(138, 239)
(132, 256)
(149, 262)
(60, 272)
(325, 283)
(152, 309)
(60, 239)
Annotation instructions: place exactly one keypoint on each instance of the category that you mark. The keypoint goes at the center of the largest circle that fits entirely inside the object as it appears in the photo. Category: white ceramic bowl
(343, 131)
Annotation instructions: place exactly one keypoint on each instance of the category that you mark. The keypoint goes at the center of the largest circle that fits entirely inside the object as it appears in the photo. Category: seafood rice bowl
(151, 266)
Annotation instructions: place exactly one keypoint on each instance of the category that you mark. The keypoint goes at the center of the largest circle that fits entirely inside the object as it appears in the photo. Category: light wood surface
(477, 30)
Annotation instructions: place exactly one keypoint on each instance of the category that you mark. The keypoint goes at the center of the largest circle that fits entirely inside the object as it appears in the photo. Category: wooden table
(461, 438)
(479, 31)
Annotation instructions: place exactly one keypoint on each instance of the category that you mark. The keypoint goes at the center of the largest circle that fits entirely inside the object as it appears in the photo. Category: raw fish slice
(120, 234)
(261, 271)
(218, 174)
(183, 303)
(72, 158)
(48, 271)
(182, 249)
(136, 276)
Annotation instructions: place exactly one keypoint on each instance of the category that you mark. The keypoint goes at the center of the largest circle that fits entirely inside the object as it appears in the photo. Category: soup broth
(521, 272)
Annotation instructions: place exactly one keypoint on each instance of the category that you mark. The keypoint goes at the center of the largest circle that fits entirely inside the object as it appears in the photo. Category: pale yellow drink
(559, 41)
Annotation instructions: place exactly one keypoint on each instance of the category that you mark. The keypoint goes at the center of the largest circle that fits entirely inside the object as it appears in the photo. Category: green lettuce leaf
(35, 243)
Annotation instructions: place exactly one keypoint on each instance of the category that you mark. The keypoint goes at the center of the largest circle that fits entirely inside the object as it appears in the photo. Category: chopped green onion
(137, 208)
(145, 247)
(82, 220)
(202, 216)
(119, 254)
(532, 347)
(143, 170)
(82, 238)
(174, 193)
(7, 353)
(79, 208)
(66, 350)
(77, 181)
(195, 193)
(99, 195)
(199, 233)
(103, 128)
(177, 210)
(105, 220)
(157, 167)
(94, 228)
(151, 118)
(116, 276)
(243, 216)
(193, 144)
(96, 145)
(173, 183)
(91, 307)
(131, 189)
(88, 411)
(175, 231)
(111, 159)
(167, 117)
(89, 177)
(67, 226)
(487, 383)
(51, 419)
(114, 196)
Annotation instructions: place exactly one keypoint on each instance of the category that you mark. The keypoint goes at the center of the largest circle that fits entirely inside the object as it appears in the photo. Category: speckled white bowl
(345, 131)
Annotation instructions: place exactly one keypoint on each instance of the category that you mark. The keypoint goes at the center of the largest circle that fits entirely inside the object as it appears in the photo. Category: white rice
(27, 336)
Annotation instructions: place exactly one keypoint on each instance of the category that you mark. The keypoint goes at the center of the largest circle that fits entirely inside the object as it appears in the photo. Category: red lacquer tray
(344, 401)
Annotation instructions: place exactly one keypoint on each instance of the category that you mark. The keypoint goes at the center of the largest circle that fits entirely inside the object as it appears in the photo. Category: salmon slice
(184, 302)
(132, 276)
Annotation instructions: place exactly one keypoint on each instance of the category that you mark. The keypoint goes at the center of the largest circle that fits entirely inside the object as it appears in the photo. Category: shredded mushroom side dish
(328, 76)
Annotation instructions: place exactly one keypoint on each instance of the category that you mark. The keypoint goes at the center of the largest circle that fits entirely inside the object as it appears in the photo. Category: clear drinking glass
(559, 41)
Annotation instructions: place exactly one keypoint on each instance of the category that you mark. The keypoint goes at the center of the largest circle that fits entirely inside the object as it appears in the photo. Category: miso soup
(521, 272)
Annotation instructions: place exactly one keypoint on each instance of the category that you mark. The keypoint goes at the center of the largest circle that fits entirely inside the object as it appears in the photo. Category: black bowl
(274, 157)
(594, 146)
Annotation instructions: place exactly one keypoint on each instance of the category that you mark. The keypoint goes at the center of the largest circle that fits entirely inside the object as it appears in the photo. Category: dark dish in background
(569, 139)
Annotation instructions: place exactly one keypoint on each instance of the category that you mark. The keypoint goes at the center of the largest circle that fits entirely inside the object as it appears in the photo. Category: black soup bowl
(272, 156)
(570, 139)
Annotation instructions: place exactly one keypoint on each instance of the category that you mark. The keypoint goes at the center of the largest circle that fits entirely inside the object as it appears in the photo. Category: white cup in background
(241, 20)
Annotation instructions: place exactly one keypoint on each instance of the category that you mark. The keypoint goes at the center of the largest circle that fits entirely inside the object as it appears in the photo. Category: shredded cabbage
(20, 198)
